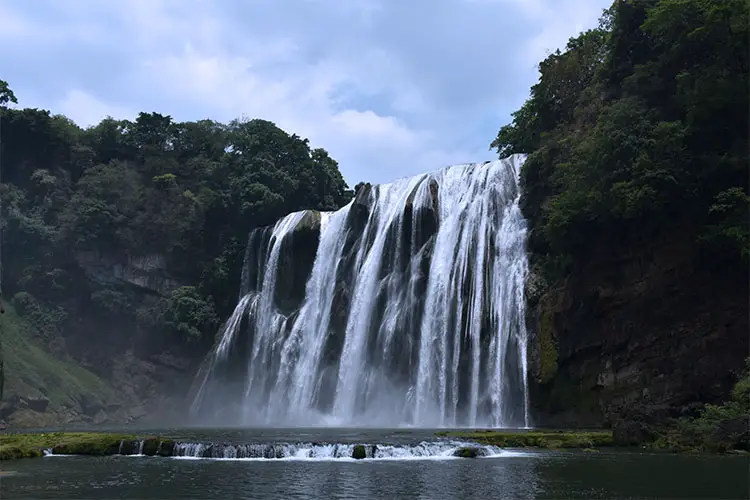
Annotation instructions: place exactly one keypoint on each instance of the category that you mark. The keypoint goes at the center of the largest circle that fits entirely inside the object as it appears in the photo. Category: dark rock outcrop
(652, 327)
(470, 452)
(296, 259)
(35, 403)
(359, 452)
(148, 272)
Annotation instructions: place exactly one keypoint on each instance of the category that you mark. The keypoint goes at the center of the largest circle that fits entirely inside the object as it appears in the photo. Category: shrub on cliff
(44, 321)
(183, 313)
(637, 125)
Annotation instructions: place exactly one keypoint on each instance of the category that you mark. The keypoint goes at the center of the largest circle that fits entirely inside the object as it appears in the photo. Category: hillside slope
(40, 388)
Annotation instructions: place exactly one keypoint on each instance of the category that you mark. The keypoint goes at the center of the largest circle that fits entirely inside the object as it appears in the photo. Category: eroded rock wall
(652, 328)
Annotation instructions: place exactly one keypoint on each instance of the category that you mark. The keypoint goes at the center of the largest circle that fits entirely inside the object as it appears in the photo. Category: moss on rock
(13, 446)
(151, 446)
(469, 452)
(166, 448)
(547, 347)
(359, 452)
(535, 439)
(130, 446)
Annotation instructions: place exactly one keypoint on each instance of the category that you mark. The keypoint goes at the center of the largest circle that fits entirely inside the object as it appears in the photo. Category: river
(409, 464)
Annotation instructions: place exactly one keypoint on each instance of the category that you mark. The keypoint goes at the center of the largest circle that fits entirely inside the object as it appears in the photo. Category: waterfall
(404, 307)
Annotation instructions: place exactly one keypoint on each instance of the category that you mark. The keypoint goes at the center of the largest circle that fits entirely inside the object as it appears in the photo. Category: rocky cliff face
(101, 370)
(148, 272)
(653, 327)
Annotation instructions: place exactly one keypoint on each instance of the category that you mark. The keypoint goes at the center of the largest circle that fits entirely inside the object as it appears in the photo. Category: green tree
(81, 205)
(185, 313)
(6, 94)
(637, 124)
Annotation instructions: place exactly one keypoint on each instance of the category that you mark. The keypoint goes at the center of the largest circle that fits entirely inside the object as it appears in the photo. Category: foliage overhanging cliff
(636, 192)
(128, 236)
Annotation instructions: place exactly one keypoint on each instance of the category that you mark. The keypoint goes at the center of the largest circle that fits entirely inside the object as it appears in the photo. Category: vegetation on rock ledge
(14, 446)
(535, 439)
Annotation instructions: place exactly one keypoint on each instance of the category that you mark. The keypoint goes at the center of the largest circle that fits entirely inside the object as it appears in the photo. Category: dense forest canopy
(188, 192)
(637, 125)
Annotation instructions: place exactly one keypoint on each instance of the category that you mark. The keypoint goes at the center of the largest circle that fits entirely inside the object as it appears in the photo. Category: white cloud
(86, 110)
(558, 22)
(388, 88)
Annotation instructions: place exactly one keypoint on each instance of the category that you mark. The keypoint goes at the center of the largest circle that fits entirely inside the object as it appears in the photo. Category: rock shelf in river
(534, 439)
(461, 444)
(13, 446)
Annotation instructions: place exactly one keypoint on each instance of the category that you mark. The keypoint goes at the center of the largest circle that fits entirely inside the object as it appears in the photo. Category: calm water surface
(522, 474)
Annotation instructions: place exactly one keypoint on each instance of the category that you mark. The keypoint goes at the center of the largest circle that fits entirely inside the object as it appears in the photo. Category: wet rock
(130, 447)
(469, 452)
(166, 448)
(255, 251)
(359, 452)
(359, 212)
(296, 259)
(151, 446)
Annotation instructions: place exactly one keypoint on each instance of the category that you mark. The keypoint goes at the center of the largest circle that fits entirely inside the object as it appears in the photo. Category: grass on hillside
(30, 369)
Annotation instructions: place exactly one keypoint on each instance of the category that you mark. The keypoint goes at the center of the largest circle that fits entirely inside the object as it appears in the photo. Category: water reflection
(152, 478)
(536, 475)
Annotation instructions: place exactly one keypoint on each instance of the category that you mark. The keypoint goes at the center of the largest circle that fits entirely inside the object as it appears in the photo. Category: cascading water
(404, 307)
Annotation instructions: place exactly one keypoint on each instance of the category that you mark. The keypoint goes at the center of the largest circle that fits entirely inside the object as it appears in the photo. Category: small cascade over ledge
(403, 308)
(275, 450)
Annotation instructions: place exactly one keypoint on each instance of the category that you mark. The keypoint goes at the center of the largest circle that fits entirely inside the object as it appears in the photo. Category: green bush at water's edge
(717, 428)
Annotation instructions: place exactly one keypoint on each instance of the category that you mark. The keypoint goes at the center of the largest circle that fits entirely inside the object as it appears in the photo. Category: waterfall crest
(404, 307)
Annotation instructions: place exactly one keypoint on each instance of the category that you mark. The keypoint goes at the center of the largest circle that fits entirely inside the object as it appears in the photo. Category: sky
(390, 88)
